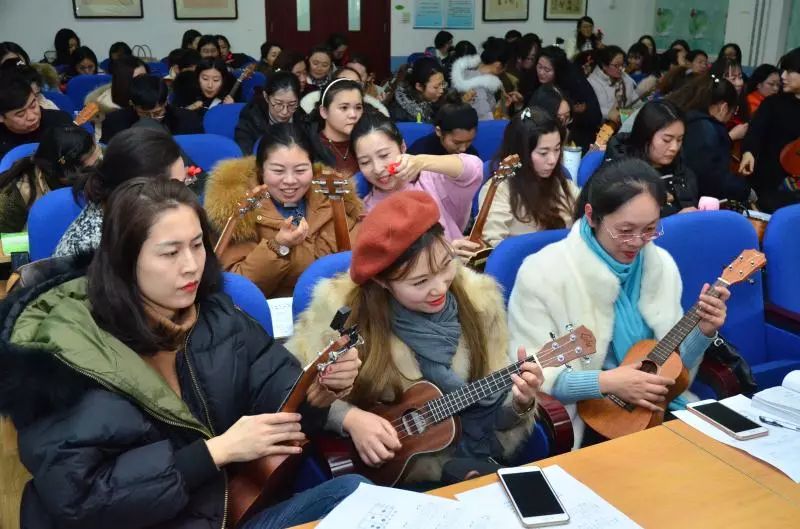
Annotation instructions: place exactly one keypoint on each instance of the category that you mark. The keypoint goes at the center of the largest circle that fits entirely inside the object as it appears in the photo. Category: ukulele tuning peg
(586, 360)
(568, 367)
(569, 327)
(552, 335)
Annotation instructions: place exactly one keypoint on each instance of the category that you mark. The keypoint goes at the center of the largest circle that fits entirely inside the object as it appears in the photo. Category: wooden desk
(764, 473)
(660, 479)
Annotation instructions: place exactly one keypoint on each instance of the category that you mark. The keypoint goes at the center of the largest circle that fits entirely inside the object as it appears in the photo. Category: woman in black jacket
(656, 138)
(134, 386)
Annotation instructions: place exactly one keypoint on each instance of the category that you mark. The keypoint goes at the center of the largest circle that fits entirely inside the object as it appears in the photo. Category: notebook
(782, 401)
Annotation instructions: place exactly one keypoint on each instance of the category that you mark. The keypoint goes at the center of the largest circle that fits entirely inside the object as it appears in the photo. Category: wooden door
(330, 16)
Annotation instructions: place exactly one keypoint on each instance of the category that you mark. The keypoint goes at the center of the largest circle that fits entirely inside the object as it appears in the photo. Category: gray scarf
(415, 108)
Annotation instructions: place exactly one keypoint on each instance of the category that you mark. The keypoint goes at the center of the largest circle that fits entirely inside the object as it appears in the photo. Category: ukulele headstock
(247, 72)
(507, 168)
(744, 266)
(331, 184)
(251, 202)
(348, 337)
(87, 113)
(578, 343)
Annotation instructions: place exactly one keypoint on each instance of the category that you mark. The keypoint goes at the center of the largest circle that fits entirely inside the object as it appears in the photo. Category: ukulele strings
(429, 414)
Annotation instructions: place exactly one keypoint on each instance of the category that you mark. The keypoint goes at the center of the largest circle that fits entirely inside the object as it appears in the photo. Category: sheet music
(779, 448)
(373, 507)
(586, 509)
(280, 310)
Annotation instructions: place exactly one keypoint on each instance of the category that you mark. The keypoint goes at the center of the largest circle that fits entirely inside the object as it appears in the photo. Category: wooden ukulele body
(611, 420)
(343, 457)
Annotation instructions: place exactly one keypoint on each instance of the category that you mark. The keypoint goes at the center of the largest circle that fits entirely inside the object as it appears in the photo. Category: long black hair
(702, 91)
(218, 65)
(736, 49)
(188, 38)
(720, 69)
(760, 75)
(79, 55)
(654, 116)
(63, 36)
(113, 285)
(580, 40)
(12, 47)
(121, 76)
(59, 157)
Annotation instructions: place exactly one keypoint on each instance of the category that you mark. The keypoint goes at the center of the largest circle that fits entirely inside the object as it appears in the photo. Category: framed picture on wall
(107, 8)
(206, 9)
(564, 9)
(505, 10)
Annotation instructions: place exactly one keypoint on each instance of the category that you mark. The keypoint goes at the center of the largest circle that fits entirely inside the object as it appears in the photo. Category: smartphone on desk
(729, 421)
(533, 498)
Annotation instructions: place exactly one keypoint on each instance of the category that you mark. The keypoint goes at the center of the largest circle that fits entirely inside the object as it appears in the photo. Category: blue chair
(105, 63)
(363, 186)
(62, 102)
(783, 255)
(249, 85)
(487, 173)
(322, 268)
(206, 150)
(79, 87)
(703, 244)
(158, 69)
(507, 257)
(589, 164)
(489, 137)
(17, 153)
(248, 297)
(412, 131)
(48, 219)
(222, 119)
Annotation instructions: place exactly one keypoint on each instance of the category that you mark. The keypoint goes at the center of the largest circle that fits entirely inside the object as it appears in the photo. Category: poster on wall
(107, 8)
(697, 21)
(460, 14)
(429, 14)
(206, 9)
(450, 14)
(505, 10)
(564, 9)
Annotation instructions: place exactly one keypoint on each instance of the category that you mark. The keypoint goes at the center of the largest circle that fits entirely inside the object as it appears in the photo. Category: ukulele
(247, 73)
(257, 484)
(508, 167)
(334, 186)
(611, 416)
(424, 418)
(249, 203)
(603, 135)
(86, 114)
(790, 161)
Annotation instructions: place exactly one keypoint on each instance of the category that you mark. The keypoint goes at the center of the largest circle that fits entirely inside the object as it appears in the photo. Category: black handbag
(722, 361)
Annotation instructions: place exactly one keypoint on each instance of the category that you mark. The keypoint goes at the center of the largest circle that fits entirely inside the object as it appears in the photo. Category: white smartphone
(533, 498)
(729, 421)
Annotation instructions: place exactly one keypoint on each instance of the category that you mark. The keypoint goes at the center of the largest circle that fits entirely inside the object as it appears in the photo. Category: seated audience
(66, 42)
(118, 50)
(277, 102)
(656, 138)
(698, 62)
(208, 48)
(614, 88)
(292, 61)
(730, 51)
(22, 120)
(442, 46)
(526, 50)
(33, 77)
(132, 153)
(340, 52)
(320, 67)
(415, 97)
(11, 51)
(607, 276)
(423, 316)
(539, 196)
(211, 87)
(456, 126)
(481, 75)
(267, 246)
(311, 100)
(269, 52)
(361, 65)
(61, 153)
(83, 61)
(234, 61)
(127, 424)
(117, 94)
(554, 102)
(650, 42)
(732, 72)
(586, 38)
(639, 63)
(765, 82)
(190, 39)
(332, 122)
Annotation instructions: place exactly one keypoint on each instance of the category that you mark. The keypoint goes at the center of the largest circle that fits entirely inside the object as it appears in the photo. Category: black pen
(776, 422)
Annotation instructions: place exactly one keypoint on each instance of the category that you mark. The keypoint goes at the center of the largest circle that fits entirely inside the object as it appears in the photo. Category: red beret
(389, 230)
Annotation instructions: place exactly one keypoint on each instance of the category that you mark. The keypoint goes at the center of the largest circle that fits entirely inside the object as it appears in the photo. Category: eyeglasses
(617, 66)
(281, 106)
(157, 113)
(645, 236)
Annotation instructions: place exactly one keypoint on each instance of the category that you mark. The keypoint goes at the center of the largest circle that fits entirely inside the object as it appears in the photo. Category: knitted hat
(389, 230)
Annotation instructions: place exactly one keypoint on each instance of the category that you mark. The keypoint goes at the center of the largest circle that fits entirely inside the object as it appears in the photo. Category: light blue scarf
(629, 326)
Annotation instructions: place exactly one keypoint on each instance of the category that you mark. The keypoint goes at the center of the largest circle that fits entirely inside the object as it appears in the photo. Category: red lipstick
(190, 287)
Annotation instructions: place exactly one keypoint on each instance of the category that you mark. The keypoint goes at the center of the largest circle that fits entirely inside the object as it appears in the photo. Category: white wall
(760, 28)
(33, 25)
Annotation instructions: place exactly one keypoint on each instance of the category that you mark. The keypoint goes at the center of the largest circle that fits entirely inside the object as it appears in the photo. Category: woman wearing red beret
(422, 316)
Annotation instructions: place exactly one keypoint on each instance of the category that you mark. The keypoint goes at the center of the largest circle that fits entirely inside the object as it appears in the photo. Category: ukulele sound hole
(414, 423)
(648, 366)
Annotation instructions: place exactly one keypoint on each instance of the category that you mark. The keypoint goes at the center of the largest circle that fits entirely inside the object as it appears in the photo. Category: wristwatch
(278, 248)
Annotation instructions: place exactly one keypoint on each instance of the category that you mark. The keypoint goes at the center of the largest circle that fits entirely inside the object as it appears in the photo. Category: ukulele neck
(673, 339)
(476, 234)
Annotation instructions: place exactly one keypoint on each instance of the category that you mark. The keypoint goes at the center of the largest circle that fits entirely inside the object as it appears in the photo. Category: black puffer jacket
(680, 181)
(254, 122)
(106, 440)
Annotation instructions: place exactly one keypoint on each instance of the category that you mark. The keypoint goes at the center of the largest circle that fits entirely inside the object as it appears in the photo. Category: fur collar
(102, 96)
(413, 107)
(465, 76)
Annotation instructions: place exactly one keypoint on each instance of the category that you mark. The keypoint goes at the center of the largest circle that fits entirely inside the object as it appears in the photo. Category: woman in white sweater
(613, 87)
(539, 196)
(606, 275)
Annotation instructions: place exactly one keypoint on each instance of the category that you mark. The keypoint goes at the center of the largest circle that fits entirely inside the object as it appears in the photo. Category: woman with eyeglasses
(606, 275)
(539, 196)
(277, 102)
(765, 82)
(613, 87)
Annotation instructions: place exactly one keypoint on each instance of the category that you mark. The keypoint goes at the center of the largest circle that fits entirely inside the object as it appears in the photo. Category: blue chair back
(703, 244)
(249, 85)
(783, 255)
(17, 153)
(505, 260)
(489, 137)
(208, 149)
(248, 297)
(589, 164)
(105, 63)
(62, 102)
(222, 119)
(159, 69)
(48, 219)
(79, 87)
(363, 186)
(322, 268)
(412, 131)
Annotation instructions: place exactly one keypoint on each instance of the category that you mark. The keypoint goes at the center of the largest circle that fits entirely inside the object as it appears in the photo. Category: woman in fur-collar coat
(480, 74)
(267, 247)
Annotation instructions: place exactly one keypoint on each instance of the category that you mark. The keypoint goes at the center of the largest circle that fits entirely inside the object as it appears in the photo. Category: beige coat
(312, 334)
(501, 222)
(102, 96)
(248, 254)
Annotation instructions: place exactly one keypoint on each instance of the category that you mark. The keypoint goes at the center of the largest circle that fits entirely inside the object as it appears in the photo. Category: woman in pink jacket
(452, 180)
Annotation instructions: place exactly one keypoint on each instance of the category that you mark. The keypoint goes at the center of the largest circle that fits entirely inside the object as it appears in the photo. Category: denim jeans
(309, 505)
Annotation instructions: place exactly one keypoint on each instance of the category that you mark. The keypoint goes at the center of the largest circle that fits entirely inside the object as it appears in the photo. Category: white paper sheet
(780, 448)
(586, 509)
(280, 309)
(373, 507)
